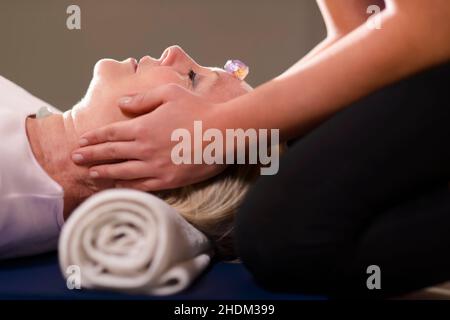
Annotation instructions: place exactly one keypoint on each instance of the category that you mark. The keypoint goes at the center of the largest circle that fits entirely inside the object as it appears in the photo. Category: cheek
(100, 105)
(154, 78)
(102, 98)
(109, 84)
(101, 91)
(218, 94)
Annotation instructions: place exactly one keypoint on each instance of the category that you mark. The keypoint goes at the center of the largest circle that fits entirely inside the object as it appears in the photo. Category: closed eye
(192, 75)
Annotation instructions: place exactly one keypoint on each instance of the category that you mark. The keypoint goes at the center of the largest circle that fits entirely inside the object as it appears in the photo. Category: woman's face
(113, 80)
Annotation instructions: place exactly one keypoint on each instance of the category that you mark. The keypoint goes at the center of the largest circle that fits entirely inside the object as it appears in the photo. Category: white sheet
(134, 242)
(31, 202)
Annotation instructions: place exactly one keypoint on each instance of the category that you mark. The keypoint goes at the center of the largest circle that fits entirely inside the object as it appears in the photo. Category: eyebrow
(214, 81)
(216, 73)
(208, 82)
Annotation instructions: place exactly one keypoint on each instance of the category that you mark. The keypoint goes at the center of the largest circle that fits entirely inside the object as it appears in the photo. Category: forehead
(224, 86)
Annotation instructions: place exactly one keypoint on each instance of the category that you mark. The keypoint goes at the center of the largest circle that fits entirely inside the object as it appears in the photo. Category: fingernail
(83, 142)
(93, 174)
(76, 157)
(125, 101)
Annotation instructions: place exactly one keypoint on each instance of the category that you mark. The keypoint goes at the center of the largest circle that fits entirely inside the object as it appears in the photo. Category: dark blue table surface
(40, 278)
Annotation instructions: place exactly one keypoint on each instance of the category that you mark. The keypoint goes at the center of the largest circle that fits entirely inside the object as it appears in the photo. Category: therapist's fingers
(129, 170)
(105, 152)
(141, 184)
(118, 131)
(152, 99)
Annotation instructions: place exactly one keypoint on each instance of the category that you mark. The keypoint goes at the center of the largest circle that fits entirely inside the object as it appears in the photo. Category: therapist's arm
(358, 64)
(340, 18)
(412, 37)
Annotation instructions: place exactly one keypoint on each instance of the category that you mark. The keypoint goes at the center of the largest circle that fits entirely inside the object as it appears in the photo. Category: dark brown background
(39, 53)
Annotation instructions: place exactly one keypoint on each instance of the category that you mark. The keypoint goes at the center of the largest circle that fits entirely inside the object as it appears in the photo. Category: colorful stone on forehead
(237, 68)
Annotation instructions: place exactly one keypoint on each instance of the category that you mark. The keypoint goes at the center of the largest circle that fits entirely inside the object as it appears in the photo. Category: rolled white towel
(134, 242)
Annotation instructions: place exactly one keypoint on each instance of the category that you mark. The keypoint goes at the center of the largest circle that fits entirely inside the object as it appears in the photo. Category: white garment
(31, 202)
(131, 241)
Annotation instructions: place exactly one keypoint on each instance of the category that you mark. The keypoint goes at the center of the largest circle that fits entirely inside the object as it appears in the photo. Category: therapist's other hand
(145, 142)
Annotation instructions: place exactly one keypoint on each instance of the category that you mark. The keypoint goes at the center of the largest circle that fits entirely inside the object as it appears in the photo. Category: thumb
(137, 104)
(150, 100)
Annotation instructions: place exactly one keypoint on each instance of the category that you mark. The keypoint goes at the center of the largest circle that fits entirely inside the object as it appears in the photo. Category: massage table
(40, 278)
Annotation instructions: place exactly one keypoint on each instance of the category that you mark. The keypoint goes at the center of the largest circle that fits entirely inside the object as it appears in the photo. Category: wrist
(220, 117)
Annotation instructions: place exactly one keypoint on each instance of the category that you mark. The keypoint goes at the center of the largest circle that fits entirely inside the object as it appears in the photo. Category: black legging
(367, 187)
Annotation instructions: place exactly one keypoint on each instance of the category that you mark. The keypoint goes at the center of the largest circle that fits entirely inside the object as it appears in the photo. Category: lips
(147, 60)
(134, 64)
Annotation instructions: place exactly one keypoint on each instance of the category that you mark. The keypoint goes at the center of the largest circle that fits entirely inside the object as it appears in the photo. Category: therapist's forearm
(341, 18)
(357, 65)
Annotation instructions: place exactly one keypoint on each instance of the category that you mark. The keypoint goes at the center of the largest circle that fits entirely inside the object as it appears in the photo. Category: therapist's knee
(279, 256)
(290, 266)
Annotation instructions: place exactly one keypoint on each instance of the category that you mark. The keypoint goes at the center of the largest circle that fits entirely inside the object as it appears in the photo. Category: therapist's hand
(145, 141)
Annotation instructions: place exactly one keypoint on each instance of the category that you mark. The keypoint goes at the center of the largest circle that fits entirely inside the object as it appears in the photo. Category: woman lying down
(40, 185)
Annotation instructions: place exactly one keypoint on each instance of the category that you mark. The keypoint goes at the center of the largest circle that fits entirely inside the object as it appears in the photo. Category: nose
(174, 55)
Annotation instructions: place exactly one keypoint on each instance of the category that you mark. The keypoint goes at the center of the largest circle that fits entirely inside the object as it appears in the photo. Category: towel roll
(132, 241)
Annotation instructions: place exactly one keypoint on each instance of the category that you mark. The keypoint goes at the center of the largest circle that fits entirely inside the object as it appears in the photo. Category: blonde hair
(210, 206)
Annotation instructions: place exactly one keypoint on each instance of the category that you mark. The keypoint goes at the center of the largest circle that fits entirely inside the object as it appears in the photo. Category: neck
(52, 139)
